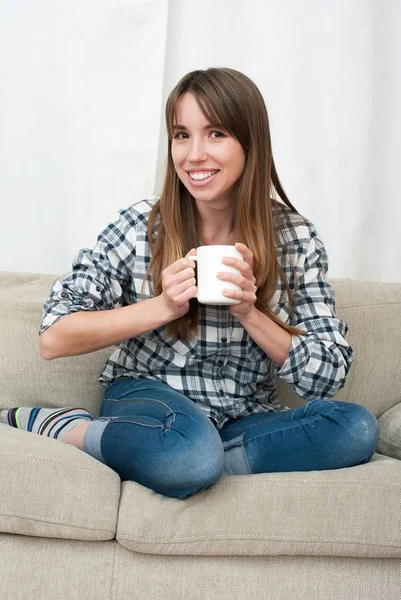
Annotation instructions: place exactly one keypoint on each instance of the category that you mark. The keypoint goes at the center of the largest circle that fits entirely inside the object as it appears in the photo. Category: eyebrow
(208, 126)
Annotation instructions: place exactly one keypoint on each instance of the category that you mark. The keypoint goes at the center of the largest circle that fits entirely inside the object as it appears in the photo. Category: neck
(216, 235)
(217, 227)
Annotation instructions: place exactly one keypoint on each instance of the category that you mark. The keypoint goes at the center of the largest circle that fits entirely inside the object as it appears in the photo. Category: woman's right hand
(179, 285)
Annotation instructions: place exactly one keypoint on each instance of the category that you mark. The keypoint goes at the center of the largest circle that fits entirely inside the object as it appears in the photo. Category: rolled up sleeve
(98, 275)
(318, 362)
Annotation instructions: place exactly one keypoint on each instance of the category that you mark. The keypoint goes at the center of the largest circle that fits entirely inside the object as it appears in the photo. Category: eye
(219, 134)
(177, 135)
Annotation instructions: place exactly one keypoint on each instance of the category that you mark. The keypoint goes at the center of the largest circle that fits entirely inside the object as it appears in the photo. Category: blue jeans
(149, 433)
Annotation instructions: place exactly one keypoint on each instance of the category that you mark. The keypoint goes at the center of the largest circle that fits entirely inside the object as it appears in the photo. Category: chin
(206, 197)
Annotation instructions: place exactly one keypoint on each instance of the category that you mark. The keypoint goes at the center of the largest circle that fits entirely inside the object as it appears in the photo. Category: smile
(202, 177)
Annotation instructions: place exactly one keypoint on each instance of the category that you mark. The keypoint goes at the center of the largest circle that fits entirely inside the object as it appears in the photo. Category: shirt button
(224, 339)
(221, 392)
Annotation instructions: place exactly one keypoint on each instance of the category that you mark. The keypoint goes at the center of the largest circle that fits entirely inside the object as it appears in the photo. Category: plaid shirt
(224, 371)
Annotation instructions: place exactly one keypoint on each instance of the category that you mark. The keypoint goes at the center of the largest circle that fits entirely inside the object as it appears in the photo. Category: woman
(190, 390)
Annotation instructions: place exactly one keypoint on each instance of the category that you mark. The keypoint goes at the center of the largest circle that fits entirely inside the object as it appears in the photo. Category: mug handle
(195, 258)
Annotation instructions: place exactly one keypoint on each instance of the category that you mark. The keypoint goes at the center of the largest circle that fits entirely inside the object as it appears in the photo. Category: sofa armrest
(390, 432)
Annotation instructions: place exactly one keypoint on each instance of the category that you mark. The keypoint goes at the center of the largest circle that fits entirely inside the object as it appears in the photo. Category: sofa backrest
(26, 378)
(372, 311)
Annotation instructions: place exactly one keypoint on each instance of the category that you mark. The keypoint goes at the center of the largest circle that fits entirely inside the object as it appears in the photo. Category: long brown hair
(228, 98)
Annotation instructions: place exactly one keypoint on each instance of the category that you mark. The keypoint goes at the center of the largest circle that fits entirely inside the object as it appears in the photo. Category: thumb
(192, 252)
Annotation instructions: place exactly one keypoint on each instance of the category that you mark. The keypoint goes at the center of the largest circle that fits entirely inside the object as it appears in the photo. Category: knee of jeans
(194, 482)
(197, 467)
(364, 430)
(186, 465)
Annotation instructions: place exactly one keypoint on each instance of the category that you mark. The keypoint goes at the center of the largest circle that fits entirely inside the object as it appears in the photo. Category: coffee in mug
(210, 288)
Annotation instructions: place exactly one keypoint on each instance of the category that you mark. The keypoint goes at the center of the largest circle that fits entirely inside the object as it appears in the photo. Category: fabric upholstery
(255, 577)
(39, 568)
(342, 512)
(51, 489)
(390, 432)
(48, 569)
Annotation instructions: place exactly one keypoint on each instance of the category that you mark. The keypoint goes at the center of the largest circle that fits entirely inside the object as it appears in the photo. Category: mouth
(199, 178)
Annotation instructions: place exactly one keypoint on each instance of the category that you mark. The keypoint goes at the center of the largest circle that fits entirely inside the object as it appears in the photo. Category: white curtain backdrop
(82, 96)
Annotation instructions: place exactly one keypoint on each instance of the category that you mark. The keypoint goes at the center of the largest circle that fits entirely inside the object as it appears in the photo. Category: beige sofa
(70, 530)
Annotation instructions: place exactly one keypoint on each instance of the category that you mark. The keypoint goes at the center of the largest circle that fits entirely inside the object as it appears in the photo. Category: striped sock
(50, 422)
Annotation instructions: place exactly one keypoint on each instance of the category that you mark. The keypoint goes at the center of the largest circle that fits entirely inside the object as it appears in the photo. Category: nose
(196, 151)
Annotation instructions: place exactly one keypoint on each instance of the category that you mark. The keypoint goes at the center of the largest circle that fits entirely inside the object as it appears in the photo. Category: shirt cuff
(298, 357)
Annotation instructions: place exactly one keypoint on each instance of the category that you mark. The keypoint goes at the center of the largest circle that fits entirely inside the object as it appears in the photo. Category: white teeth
(204, 175)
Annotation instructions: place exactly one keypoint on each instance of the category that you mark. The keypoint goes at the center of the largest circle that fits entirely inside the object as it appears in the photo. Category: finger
(176, 278)
(243, 296)
(242, 267)
(242, 282)
(188, 294)
(239, 264)
(182, 287)
(179, 265)
(246, 253)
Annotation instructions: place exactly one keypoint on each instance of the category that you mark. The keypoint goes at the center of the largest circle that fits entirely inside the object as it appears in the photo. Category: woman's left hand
(246, 281)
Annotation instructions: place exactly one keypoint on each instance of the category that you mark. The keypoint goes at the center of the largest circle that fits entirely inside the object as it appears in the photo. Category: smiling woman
(206, 158)
(190, 389)
(219, 185)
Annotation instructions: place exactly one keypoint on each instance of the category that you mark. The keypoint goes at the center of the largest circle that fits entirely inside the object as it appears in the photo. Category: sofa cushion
(51, 489)
(346, 512)
(390, 432)
(26, 378)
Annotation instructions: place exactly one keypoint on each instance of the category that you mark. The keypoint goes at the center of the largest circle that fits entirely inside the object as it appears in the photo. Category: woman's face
(207, 159)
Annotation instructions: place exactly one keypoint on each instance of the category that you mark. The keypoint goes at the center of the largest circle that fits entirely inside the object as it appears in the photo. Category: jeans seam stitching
(233, 445)
(134, 422)
(153, 400)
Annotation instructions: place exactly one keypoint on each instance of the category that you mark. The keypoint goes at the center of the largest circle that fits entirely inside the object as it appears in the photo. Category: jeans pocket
(143, 410)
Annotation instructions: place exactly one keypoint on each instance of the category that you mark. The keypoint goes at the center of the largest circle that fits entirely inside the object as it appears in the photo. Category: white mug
(209, 264)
